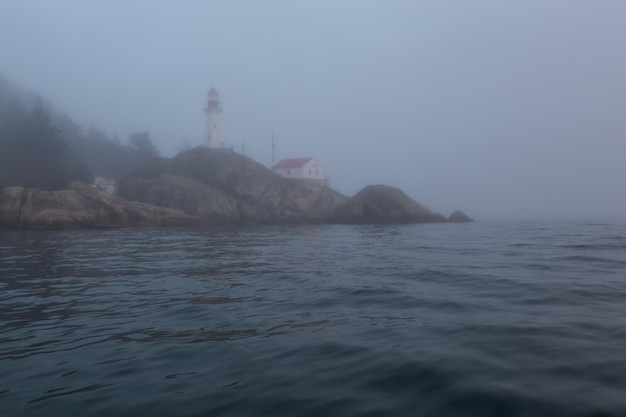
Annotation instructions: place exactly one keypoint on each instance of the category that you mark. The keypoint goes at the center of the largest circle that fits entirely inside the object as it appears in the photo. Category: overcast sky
(504, 109)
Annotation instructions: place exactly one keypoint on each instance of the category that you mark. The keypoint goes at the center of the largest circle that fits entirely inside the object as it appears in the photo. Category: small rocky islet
(205, 186)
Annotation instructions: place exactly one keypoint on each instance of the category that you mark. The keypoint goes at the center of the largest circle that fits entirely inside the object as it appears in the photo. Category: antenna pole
(273, 148)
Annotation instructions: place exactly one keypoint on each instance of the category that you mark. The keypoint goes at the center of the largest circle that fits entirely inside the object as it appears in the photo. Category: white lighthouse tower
(213, 137)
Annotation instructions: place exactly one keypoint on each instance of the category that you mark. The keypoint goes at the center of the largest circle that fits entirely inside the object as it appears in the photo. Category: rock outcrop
(384, 204)
(221, 186)
(459, 217)
(208, 186)
(81, 206)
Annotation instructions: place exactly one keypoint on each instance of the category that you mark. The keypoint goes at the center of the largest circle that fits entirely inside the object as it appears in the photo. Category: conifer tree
(33, 154)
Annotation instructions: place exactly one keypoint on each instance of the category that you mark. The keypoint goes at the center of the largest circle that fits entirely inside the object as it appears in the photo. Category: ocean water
(480, 319)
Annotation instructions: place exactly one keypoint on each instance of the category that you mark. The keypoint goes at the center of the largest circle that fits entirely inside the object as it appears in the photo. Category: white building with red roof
(301, 168)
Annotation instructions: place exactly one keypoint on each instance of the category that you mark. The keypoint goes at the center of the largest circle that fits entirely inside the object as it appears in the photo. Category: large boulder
(81, 206)
(384, 204)
(459, 217)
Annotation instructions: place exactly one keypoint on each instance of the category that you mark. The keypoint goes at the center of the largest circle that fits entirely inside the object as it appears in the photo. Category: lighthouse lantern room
(213, 138)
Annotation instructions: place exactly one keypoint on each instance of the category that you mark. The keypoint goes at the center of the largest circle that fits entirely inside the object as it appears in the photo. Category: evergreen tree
(142, 148)
(144, 155)
(104, 156)
(33, 154)
(46, 149)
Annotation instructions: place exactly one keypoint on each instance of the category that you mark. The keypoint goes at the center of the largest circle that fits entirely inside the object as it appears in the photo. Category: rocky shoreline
(203, 187)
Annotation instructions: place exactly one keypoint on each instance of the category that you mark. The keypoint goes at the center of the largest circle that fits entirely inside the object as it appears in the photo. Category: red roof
(292, 163)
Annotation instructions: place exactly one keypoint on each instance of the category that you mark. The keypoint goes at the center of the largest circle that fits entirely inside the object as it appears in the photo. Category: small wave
(590, 259)
(333, 321)
(64, 391)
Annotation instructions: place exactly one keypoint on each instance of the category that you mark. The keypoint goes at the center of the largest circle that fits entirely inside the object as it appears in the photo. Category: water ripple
(481, 320)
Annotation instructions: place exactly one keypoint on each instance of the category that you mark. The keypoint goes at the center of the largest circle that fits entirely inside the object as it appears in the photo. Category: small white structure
(213, 136)
(301, 168)
(104, 184)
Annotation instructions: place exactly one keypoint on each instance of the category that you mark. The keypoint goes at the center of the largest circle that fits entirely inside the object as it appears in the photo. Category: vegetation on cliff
(42, 148)
(33, 153)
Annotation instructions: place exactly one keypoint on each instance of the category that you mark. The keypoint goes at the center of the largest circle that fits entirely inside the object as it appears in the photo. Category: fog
(504, 109)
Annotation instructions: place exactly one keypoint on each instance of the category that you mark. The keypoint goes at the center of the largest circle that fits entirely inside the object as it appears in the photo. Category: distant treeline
(41, 149)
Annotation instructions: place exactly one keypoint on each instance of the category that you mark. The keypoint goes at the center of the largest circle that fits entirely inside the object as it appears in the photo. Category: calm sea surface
(482, 319)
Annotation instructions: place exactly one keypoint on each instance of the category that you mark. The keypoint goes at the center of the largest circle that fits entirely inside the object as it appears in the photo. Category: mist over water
(488, 319)
(503, 110)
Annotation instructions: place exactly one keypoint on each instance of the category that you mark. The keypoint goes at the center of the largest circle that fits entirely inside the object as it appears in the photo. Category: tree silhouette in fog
(32, 152)
(144, 155)
(142, 147)
(47, 149)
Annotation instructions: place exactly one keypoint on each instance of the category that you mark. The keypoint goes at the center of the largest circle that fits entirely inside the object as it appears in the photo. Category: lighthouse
(213, 136)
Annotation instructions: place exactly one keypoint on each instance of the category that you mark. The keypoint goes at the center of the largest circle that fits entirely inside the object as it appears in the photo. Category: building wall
(213, 129)
(107, 185)
(311, 171)
(290, 172)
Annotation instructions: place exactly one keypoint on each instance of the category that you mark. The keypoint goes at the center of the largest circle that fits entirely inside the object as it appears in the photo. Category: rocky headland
(205, 186)
(221, 186)
(81, 206)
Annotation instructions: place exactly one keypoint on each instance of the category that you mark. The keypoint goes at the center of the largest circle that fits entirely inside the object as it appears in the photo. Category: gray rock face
(81, 206)
(184, 194)
(459, 217)
(208, 186)
(221, 186)
(384, 204)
